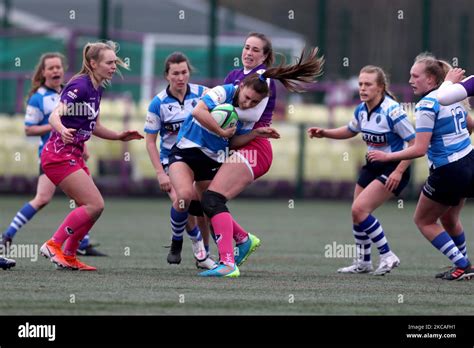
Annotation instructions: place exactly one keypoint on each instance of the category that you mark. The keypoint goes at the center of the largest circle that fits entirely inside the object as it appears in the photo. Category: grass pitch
(288, 275)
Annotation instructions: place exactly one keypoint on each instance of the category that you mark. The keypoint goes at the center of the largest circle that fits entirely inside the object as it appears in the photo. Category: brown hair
(176, 58)
(305, 70)
(434, 67)
(92, 51)
(381, 78)
(267, 48)
(38, 78)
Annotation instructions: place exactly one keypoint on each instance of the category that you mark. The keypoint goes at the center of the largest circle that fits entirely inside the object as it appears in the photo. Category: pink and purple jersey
(82, 101)
(468, 85)
(237, 76)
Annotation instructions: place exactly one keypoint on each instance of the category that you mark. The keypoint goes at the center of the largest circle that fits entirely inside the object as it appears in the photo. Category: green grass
(290, 263)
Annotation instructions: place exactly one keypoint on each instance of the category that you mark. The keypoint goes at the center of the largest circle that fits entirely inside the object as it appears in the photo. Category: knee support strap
(195, 208)
(213, 203)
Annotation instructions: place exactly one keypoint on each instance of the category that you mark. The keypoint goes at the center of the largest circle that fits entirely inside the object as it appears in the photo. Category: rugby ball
(225, 115)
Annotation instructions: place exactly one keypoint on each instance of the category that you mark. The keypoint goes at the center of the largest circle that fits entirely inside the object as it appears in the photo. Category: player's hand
(315, 132)
(227, 133)
(164, 181)
(393, 181)
(129, 135)
(377, 156)
(67, 135)
(267, 132)
(455, 75)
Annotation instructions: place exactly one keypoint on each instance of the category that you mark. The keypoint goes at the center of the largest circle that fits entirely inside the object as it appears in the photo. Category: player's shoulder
(429, 102)
(196, 90)
(360, 107)
(392, 108)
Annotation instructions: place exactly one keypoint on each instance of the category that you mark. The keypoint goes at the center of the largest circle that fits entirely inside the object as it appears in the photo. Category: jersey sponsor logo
(396, 113)
(362, 114)
(378, 119)
(194, 103)
(172, 127)
(72, 94)
(170, 107)
(426, 104)
(68, 230)
(375, 139)
(218, 95)
(72, 162)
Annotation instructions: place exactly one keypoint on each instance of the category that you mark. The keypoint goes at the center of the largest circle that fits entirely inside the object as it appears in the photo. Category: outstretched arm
(337, 133)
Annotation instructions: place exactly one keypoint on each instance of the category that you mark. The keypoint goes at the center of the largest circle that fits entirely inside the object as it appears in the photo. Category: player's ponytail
(92, 51)
(293, 77)
(381, 78)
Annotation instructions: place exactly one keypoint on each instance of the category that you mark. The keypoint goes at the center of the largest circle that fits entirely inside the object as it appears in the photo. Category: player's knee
(449, 223)
(183, 199)
(97, 207)
(213, 203)
(358, 213)
(195, 208)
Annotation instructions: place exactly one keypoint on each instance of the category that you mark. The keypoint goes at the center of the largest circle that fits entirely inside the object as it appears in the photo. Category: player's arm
(403, 165)
(419, 149)
(202, 114)
(37, 130)
(238, 141)
(252, 114)
(106, 133)
(454, 89)
(154, 154)
(336, 133)
(67, 134)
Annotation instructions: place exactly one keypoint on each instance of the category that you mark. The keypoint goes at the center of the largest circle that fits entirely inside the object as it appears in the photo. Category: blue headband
(262, 78)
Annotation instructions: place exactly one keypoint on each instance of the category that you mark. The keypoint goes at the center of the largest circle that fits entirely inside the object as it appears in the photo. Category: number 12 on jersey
(459, 116)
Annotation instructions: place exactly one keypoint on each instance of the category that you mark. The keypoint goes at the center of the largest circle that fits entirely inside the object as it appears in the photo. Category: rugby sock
(362, 242)
(374, 230)
(444, 243)
(195, 234)
(240, 235)
(178, 223)
(76, 220)
(460, 242)
(21, 218)
(72, 243)
(222, 224)
(84, 242)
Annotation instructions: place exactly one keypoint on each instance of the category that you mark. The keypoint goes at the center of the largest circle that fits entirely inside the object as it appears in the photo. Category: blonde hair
(381, 78)
(92, 51)
(437, 68)
(38, 78)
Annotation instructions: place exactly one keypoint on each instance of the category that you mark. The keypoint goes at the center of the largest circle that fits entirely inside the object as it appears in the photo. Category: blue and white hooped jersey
(386, 128)
(194, 135)
(450, 140)
(40, 105)
(166, 115)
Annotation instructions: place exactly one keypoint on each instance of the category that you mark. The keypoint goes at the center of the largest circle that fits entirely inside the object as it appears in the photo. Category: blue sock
(362, 241)
(195, 234)
(178, 223)
(21, 218)
(374, 230)
(85, 242)
(460, 242)
(444, 243)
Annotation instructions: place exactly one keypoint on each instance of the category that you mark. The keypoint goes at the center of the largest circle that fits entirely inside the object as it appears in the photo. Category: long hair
(381, 78)
(293, 77)
(38, 78)
(92, 51)
(267, 48)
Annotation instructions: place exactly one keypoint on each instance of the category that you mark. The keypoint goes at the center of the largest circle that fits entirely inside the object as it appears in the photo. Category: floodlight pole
(104, 19)
(212, 38)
